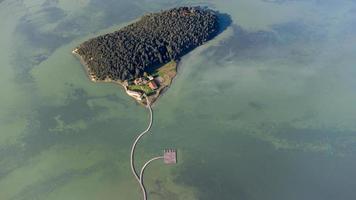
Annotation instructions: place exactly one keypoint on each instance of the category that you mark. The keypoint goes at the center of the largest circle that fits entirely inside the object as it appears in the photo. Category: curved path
(146, 164)
(133, 169)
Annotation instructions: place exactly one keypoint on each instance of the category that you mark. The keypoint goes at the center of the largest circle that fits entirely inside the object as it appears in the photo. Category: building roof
(150, 77)
(138, 81)
(152, 85)
(170, 156)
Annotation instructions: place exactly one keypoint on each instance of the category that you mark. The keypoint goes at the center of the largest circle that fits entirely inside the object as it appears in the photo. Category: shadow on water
(294, 40)
(224, 21)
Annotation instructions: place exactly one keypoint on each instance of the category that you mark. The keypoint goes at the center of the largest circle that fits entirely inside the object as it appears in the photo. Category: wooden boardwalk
(133, 148)
(169, 155)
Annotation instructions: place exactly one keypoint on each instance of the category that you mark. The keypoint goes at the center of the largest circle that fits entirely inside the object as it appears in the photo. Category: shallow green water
(264, 111)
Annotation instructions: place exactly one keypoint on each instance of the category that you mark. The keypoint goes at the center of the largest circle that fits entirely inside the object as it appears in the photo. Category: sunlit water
(264, 111)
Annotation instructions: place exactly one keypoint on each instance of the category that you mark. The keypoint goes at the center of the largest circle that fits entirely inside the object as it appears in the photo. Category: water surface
(264, 111)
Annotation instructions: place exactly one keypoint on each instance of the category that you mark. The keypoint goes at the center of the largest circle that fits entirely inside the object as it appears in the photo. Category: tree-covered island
(143, 55)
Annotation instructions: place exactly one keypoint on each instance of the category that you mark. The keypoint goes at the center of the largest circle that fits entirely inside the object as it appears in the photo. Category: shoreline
(152, 98)
(165, 88)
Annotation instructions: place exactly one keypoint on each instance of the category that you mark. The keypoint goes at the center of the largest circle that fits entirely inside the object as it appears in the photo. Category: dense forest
(154, 40)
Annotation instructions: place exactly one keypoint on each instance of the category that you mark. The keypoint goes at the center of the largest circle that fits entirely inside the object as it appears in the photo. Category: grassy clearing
(144, 88)
(166, 69)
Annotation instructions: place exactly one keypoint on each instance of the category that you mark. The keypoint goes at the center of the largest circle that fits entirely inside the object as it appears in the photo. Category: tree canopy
(152, 41)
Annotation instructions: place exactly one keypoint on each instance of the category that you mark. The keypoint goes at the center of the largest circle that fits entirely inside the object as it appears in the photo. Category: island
(143, 56)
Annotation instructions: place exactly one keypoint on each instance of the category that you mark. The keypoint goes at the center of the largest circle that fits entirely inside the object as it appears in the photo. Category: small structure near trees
(152, 85)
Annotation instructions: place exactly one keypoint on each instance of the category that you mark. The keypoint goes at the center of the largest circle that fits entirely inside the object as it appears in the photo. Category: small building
(152, 85)
(170, 156)
(150, 77)
(138, 81)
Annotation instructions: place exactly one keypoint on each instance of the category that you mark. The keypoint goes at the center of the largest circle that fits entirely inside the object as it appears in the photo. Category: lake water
(266, 110)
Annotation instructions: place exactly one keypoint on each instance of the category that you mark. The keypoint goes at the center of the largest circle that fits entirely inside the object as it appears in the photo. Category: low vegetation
(144, 88)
